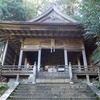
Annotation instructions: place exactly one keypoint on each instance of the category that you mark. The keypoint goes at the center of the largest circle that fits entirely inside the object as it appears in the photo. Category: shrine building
(52, 42)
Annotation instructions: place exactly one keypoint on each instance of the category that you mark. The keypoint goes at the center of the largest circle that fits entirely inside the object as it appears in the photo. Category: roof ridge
(53, 8)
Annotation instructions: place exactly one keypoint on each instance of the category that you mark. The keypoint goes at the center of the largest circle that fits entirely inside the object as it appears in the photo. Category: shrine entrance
(29, 57)
(51, 59)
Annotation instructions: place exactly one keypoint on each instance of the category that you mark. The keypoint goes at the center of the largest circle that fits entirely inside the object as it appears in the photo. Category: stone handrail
(34, 73)
(9, 91)
(95, 89)
(70, 71)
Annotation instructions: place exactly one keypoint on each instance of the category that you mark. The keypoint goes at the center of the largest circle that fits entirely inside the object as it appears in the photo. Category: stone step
(53, 75)
(53, 95)
(58, 84)
(65, 86)
(30, 78)
(63, 89)
(53, 91)
(50, 94)
(53, 87)
(55, 98)
(52, 80)
(51, 84)
(67, 91)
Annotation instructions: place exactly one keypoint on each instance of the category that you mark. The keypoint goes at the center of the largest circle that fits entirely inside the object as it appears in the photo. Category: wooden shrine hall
(53, 41)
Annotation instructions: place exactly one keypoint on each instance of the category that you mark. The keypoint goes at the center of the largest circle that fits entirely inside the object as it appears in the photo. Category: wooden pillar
(79, 64)
(66, 57)
(99, 73)
(39, 59)
(19, 63)
(70, 72)
(25, 63)
(20, 58)
(84, 58)
(5, 51)
(85, 64)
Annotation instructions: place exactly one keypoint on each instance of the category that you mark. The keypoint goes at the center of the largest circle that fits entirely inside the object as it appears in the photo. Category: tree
(0, 9)
(90, 12)
(35, 8)
(69, 7)
(28, 9)
(13, 10)
(90, 15)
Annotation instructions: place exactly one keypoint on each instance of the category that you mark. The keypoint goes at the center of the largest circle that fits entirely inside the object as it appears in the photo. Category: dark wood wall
(10, 56)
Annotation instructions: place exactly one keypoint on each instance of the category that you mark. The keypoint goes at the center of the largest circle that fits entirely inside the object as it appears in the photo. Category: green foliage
(98, 85)
(3, 88)
(35, 8)
(96, 55)
(13, 10)
(69, 7)
(21, 10)
(90, 17)
(90, 12)
(96, 82)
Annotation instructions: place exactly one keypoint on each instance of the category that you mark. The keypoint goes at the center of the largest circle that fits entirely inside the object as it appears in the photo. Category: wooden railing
(15, 70)
(16, 67)
(2, 79)
(75, 68)
(87, 69)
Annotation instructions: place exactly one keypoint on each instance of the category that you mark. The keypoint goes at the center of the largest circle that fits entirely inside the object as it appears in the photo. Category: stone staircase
(55, 91)
(52, 86)
(53, 77)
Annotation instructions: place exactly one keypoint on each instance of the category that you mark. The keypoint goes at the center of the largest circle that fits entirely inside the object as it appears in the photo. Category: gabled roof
(51, 24)
(52, 15)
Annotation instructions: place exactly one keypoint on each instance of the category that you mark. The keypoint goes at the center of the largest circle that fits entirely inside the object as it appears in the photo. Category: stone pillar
(5, 51)
(66, 57)
(39, 59)
(34, 73)
(20, 58)
(17, 78)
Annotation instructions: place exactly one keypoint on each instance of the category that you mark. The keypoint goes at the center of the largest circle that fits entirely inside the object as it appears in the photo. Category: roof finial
(54, 4)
